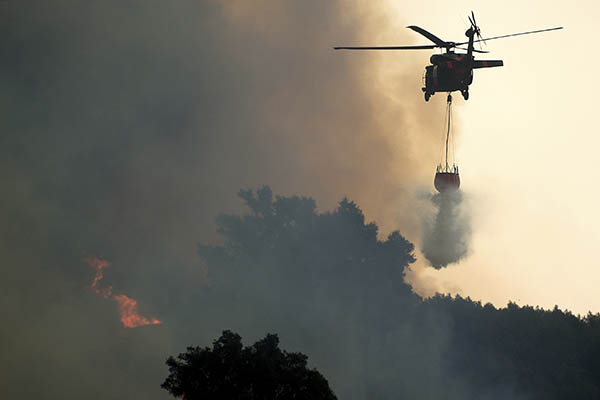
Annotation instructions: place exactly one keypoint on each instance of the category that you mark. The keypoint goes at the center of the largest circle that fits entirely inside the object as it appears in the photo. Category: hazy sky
(527, 143)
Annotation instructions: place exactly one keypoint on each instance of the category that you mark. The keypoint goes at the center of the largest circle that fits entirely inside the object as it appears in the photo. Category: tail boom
(487, 63)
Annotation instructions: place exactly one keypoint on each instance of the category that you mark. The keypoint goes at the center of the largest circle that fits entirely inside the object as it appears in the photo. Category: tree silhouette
(285, 248)
(229, 371)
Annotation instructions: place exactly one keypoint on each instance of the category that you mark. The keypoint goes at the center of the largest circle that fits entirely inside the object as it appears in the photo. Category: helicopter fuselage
(451, 71)
(448, 72)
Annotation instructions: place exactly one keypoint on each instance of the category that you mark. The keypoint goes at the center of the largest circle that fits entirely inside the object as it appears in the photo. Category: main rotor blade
(429, 35)
(512, 34)
(424, 47)
(474, 50)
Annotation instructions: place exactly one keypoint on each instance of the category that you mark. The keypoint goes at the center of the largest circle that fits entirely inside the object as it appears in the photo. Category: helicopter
(451, 71)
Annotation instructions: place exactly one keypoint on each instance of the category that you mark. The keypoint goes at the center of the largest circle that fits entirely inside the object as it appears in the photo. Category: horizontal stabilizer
(487, 63)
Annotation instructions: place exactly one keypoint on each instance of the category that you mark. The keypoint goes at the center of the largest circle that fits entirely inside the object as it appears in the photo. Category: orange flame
(98, 265)
(127, 306)
(129, 313)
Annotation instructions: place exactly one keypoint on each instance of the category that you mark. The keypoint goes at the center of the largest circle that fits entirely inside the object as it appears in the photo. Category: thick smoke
(128, 125)
(447, 233)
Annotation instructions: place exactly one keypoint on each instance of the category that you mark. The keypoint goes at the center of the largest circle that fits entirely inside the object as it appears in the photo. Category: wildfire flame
(129, 313)
(98, 265)
(128, 308)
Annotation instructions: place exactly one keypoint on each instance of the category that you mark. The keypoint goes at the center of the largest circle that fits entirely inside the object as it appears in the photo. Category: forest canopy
(326, 282)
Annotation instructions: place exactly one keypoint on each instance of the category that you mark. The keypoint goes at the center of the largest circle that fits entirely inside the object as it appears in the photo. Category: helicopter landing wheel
(427, 96)
(465, 94)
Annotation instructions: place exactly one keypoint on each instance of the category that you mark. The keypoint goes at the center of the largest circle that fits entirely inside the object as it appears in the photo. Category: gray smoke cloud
(447, 230)
(127, 126)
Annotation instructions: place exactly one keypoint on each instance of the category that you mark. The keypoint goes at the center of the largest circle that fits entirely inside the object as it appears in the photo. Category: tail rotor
(476, 28)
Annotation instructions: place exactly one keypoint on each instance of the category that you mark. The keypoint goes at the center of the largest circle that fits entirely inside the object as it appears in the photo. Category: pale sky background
(527, 143)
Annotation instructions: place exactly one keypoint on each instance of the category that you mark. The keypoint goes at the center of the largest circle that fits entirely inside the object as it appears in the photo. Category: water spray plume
(128, 308)
(446, 237)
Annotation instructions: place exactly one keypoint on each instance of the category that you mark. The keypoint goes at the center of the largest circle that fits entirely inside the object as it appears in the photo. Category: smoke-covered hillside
(330, 287)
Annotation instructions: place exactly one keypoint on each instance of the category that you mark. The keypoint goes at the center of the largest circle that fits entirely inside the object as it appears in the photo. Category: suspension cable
(449, 108)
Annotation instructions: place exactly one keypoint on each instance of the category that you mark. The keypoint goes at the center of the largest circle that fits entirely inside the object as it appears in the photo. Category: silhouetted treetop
(286, 242)
(285, 222)
(230, 371)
